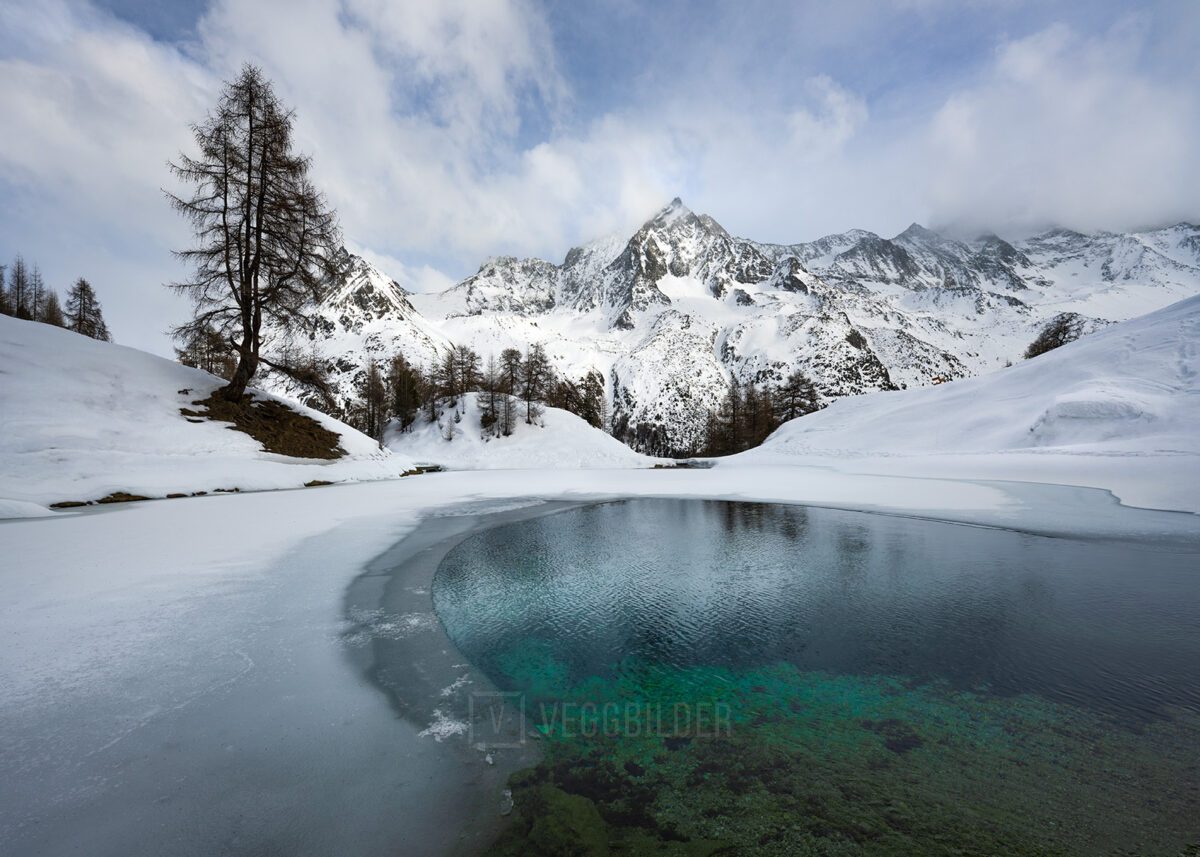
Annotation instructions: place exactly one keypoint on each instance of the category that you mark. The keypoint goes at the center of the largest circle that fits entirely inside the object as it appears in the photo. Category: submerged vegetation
(822, 764)
(747, 678)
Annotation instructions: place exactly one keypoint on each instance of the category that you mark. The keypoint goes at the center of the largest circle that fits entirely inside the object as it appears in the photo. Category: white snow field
(174, 677)
(80, 419)
(556, 439)
(1119, 409)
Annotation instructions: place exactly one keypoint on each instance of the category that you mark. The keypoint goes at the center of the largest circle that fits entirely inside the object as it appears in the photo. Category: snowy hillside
(558, 439)
(669, 315)
(81, 419)
(1133, 388)
(1118, 410)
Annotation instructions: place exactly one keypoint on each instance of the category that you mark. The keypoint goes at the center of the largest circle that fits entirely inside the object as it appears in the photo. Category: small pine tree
(732, 415)
(52, 310)
(83, 312)
(37, 294)
(506, 417)
(595, 408)
(795, 397)
(510, 371)
(405, 390)
(374, 398)
(446, 378)
(489, 397)
(19, 289)
(4, 310)
(466, 369)
(536, 376)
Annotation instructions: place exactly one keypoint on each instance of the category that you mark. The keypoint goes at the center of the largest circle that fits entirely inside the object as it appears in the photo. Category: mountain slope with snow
(81, 419)
(1119, 409)
(1130, 389)
(669, 316)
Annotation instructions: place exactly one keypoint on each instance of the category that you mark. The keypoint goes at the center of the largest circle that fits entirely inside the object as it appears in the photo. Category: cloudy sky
(446, 132)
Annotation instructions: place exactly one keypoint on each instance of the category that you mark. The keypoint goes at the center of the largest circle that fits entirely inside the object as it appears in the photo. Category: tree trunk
(236, 388)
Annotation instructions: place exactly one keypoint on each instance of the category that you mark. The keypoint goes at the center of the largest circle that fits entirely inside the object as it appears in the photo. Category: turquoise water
(716, 677)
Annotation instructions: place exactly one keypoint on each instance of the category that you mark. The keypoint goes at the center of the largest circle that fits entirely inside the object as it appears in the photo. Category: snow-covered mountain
(367, 314)
(671, 314)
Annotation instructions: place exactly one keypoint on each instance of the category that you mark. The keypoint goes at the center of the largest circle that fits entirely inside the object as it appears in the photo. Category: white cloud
(836, 115)
(1064, 129)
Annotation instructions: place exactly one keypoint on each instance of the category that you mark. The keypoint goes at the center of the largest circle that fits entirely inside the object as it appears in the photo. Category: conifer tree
(19, 289)
(535, 377)
(795, 397)
(489, 397)
(446, 377)
(404, 385)
(595, 410)
(466, 369)
(83, 314)
(4, 291)
(506, 418)
(266, 241)
(52, 311)
(510, 371)
(374, 401)
(37, 294)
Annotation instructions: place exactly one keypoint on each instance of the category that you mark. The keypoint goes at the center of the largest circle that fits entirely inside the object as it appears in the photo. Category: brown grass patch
(114, 497)
(121, 497)
(273, 424)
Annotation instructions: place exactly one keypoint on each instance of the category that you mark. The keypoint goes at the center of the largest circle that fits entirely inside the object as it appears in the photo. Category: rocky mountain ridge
(669, 315)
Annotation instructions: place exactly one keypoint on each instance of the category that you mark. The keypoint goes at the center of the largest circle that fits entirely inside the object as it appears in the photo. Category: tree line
(750, 412)
(25, 295)
(510, 388)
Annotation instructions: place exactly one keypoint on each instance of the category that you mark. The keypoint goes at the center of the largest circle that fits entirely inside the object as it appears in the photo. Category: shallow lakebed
(705, 675)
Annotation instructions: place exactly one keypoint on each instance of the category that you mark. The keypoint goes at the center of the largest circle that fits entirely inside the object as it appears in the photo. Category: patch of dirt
(273, 424)
(121, 497)
(114, 497)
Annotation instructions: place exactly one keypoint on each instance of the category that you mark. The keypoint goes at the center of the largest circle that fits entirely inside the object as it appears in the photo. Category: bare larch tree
(267, 243)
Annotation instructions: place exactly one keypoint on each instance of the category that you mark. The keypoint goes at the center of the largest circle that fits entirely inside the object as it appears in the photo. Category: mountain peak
(671, 213)
(917, 232)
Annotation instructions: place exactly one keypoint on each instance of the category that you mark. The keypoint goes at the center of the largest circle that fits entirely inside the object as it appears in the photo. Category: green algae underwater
(1019, 706)
(823, 764)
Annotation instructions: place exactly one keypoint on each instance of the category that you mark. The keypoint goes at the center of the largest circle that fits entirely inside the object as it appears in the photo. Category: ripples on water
(682, 583)
(868, 631)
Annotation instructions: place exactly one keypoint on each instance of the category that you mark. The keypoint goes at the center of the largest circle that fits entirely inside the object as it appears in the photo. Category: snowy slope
(671, 314)
(557, 439)
(81, 419)
(1133, 389)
